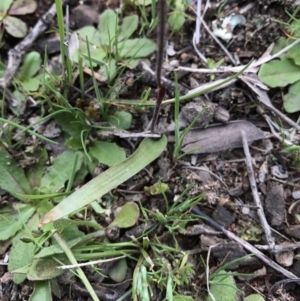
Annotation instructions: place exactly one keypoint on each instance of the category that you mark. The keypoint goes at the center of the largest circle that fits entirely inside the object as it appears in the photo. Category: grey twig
(16, 54)
(260, 210)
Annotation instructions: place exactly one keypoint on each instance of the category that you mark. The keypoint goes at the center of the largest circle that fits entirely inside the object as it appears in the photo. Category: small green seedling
(14, 26)
(110, 44)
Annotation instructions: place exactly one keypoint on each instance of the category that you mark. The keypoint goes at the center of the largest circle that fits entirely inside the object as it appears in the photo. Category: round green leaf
(15, 27)
(22, 7)
(254, 297)
(294, 54)
(118, 271)
(127, 216)
(107, 153)
(121, 120)
(91, 34)
(291, 101)
(31, 84)
(279, 73)
(176, 20)
(31, 64)
(136, 48)
(128, 27)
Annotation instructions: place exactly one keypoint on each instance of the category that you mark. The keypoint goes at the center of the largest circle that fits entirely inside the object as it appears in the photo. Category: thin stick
(260, 210)
(245, 244)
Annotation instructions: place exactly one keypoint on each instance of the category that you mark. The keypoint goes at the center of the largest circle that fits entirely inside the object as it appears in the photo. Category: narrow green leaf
(42, 291)
(12, 176)
(136, 48)
(61, 171)
(12, 221)
(108, 22)
(107, 153)
(127, 217)
(148, 151)
(15, 27)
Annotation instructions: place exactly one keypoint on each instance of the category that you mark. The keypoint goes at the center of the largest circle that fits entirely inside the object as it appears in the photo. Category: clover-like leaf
(22, 7)
(136, 48)
(15, 27)
(4, 6)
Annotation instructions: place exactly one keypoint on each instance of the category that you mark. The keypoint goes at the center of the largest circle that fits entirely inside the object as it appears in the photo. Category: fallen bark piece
(274, 203)
(220, 137)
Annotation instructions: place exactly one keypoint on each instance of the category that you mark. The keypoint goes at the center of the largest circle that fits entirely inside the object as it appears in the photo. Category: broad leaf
(107, 153)
(176, 20)
(136, 48)
(43, 269)
(118, 271)
(15, 27)
(12, 176)
(279, 73)
(31, 64)
(108, 22)
(121, 120)
(30, 84)
(21, 254)
(291, 101)
(223, 287)
(4, 6)
(61, 171)
(254, 297)
(42, 291)
(148, 151)
(90, 34)
(127, 217)
(128, 27)
(109, 70)
(12, 221)
(22, 7)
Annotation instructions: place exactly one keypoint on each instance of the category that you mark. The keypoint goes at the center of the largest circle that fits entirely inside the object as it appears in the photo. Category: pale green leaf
(118, 271)
(21, 255)
(43, 269)
(254, 297)
(22, 7)
(30, 84)
(294, 54)
(279, 73)
(15, 27)
(148, 151)
(128, 27)
(176, 20)
(291, 101)
(12, 176)
(223, 287)
(61, 171)
(121, 120)
(127, 216)
(12, 221)
(90, 34)
(31, 64)
(107, 153)
(42, 291)
(109, 70)
(108, 22)
(136, 48)
(4, 6)
(182, 298)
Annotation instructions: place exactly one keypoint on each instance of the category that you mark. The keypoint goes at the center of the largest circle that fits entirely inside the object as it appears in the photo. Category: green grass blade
(148, 151)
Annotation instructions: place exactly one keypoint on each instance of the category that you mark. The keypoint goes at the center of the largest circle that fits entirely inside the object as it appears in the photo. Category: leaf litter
(51, 190)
